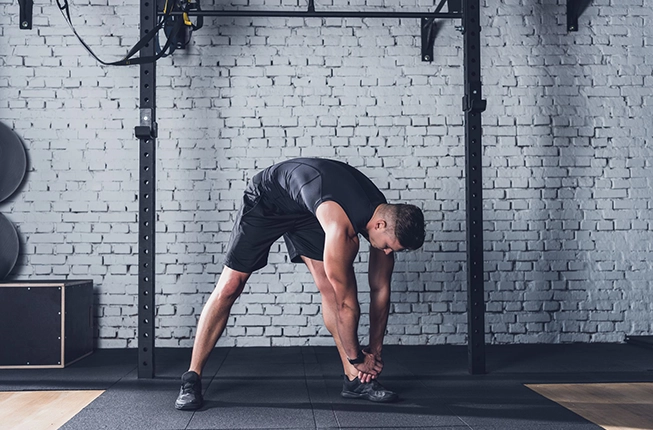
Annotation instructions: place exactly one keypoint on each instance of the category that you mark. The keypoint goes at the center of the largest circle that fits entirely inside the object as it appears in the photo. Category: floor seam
(319, 364)
(308, 391)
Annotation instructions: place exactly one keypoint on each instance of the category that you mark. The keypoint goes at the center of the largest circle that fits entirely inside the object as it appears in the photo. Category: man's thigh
(253, 234)
(306, 239)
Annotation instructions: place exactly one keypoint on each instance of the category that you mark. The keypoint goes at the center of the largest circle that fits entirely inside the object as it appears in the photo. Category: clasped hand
(370, 368)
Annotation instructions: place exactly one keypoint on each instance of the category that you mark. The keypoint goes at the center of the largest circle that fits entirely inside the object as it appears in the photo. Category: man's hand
(376, 354)
(369, 369)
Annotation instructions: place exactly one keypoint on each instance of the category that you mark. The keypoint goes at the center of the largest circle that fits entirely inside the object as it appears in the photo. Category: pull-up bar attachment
(429, 26)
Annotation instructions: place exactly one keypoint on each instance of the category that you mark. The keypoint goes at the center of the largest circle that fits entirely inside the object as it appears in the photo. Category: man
(319, 207)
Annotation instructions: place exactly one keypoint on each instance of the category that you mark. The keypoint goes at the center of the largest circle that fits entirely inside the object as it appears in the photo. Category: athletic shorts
(258, 226)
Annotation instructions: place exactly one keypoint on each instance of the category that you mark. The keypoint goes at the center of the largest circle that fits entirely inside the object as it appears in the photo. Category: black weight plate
(13, 162)
(10, 247)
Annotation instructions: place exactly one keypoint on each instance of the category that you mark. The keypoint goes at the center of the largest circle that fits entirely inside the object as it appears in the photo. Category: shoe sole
(352, 395)
(187, 407)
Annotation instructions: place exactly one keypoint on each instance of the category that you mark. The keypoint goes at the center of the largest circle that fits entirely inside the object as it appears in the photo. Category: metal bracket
(429, 31)
(575, 9)
(147, 129)
(26, 7)
(455, 5)
(430, 27)
(472, 100)
(473, 104)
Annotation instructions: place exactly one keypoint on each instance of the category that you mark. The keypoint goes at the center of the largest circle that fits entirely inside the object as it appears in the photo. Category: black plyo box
(45, 324)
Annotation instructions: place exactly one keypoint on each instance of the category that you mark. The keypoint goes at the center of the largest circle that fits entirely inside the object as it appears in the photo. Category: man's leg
(329, 310)
(213, 320)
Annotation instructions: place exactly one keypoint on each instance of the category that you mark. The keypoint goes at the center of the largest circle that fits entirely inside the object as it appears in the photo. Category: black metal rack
(146, 132)
(473, 105)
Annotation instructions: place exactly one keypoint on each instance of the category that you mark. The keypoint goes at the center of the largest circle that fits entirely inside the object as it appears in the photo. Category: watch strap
(359, 359)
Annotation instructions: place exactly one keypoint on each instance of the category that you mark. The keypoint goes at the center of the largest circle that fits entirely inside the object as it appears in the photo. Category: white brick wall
(567, 163)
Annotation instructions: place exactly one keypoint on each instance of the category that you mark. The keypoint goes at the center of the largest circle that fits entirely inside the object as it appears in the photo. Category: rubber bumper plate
(13, 162)
(10, 246)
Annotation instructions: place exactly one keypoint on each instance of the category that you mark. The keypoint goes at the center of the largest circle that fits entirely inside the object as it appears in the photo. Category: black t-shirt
(300, 185)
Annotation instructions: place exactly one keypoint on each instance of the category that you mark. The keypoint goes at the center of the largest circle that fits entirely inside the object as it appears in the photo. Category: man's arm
(340, 249)
(379, 275)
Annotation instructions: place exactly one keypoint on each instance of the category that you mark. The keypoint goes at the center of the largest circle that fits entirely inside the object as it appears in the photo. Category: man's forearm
(380, 276)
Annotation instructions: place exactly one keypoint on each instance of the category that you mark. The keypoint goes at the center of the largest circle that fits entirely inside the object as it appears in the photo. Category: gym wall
(568, 192)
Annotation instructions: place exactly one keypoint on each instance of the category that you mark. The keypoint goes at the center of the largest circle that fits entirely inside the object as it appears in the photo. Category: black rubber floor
(299, 388)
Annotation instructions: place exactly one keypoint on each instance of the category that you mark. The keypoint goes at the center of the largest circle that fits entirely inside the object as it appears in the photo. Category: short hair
(409, 225)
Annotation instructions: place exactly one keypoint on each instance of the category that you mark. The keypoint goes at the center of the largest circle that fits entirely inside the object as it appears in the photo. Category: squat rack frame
(468, 11)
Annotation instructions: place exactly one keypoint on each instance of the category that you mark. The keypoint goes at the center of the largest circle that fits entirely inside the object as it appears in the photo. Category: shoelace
(188, 387)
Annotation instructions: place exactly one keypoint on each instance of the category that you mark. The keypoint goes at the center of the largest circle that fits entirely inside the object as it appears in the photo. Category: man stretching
(319, 207)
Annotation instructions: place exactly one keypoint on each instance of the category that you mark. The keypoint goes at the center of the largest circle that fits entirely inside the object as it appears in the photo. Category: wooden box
(45, 324)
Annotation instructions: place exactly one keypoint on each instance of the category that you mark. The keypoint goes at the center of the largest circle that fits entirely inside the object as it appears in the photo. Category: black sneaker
(190, 394)
(372, 391)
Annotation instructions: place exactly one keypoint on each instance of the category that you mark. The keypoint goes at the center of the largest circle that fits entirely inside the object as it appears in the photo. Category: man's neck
(370, 223)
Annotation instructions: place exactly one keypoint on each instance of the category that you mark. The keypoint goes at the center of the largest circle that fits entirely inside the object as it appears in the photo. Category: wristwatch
(359, 359)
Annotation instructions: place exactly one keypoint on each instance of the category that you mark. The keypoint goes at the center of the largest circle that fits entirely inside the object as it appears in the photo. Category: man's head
(396, 227)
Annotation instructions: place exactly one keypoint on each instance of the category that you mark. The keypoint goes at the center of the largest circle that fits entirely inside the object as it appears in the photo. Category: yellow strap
(187, 19)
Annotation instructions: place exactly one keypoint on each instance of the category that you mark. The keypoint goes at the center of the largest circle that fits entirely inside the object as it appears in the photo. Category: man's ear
(380, 224)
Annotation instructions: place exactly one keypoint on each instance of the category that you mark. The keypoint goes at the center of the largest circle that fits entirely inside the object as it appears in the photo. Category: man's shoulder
(332, 215)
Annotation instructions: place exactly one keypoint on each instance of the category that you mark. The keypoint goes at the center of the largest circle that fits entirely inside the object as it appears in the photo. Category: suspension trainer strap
(127, 60)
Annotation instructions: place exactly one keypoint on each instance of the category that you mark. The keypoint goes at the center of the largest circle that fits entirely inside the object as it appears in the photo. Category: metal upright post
(146, 133)
(474, 105)
(25, 14)
(575, 9)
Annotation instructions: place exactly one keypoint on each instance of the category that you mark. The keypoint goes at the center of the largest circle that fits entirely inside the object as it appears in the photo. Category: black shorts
(258, 226)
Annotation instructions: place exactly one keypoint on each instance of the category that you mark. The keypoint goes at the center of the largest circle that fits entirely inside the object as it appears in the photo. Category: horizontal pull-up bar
(428, 25)
(312, 14)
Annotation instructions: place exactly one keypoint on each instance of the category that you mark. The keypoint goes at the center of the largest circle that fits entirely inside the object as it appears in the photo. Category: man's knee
(231, 284)
(230, 291)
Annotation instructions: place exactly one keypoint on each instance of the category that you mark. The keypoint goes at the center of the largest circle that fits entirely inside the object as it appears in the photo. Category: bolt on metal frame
(473, 105)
